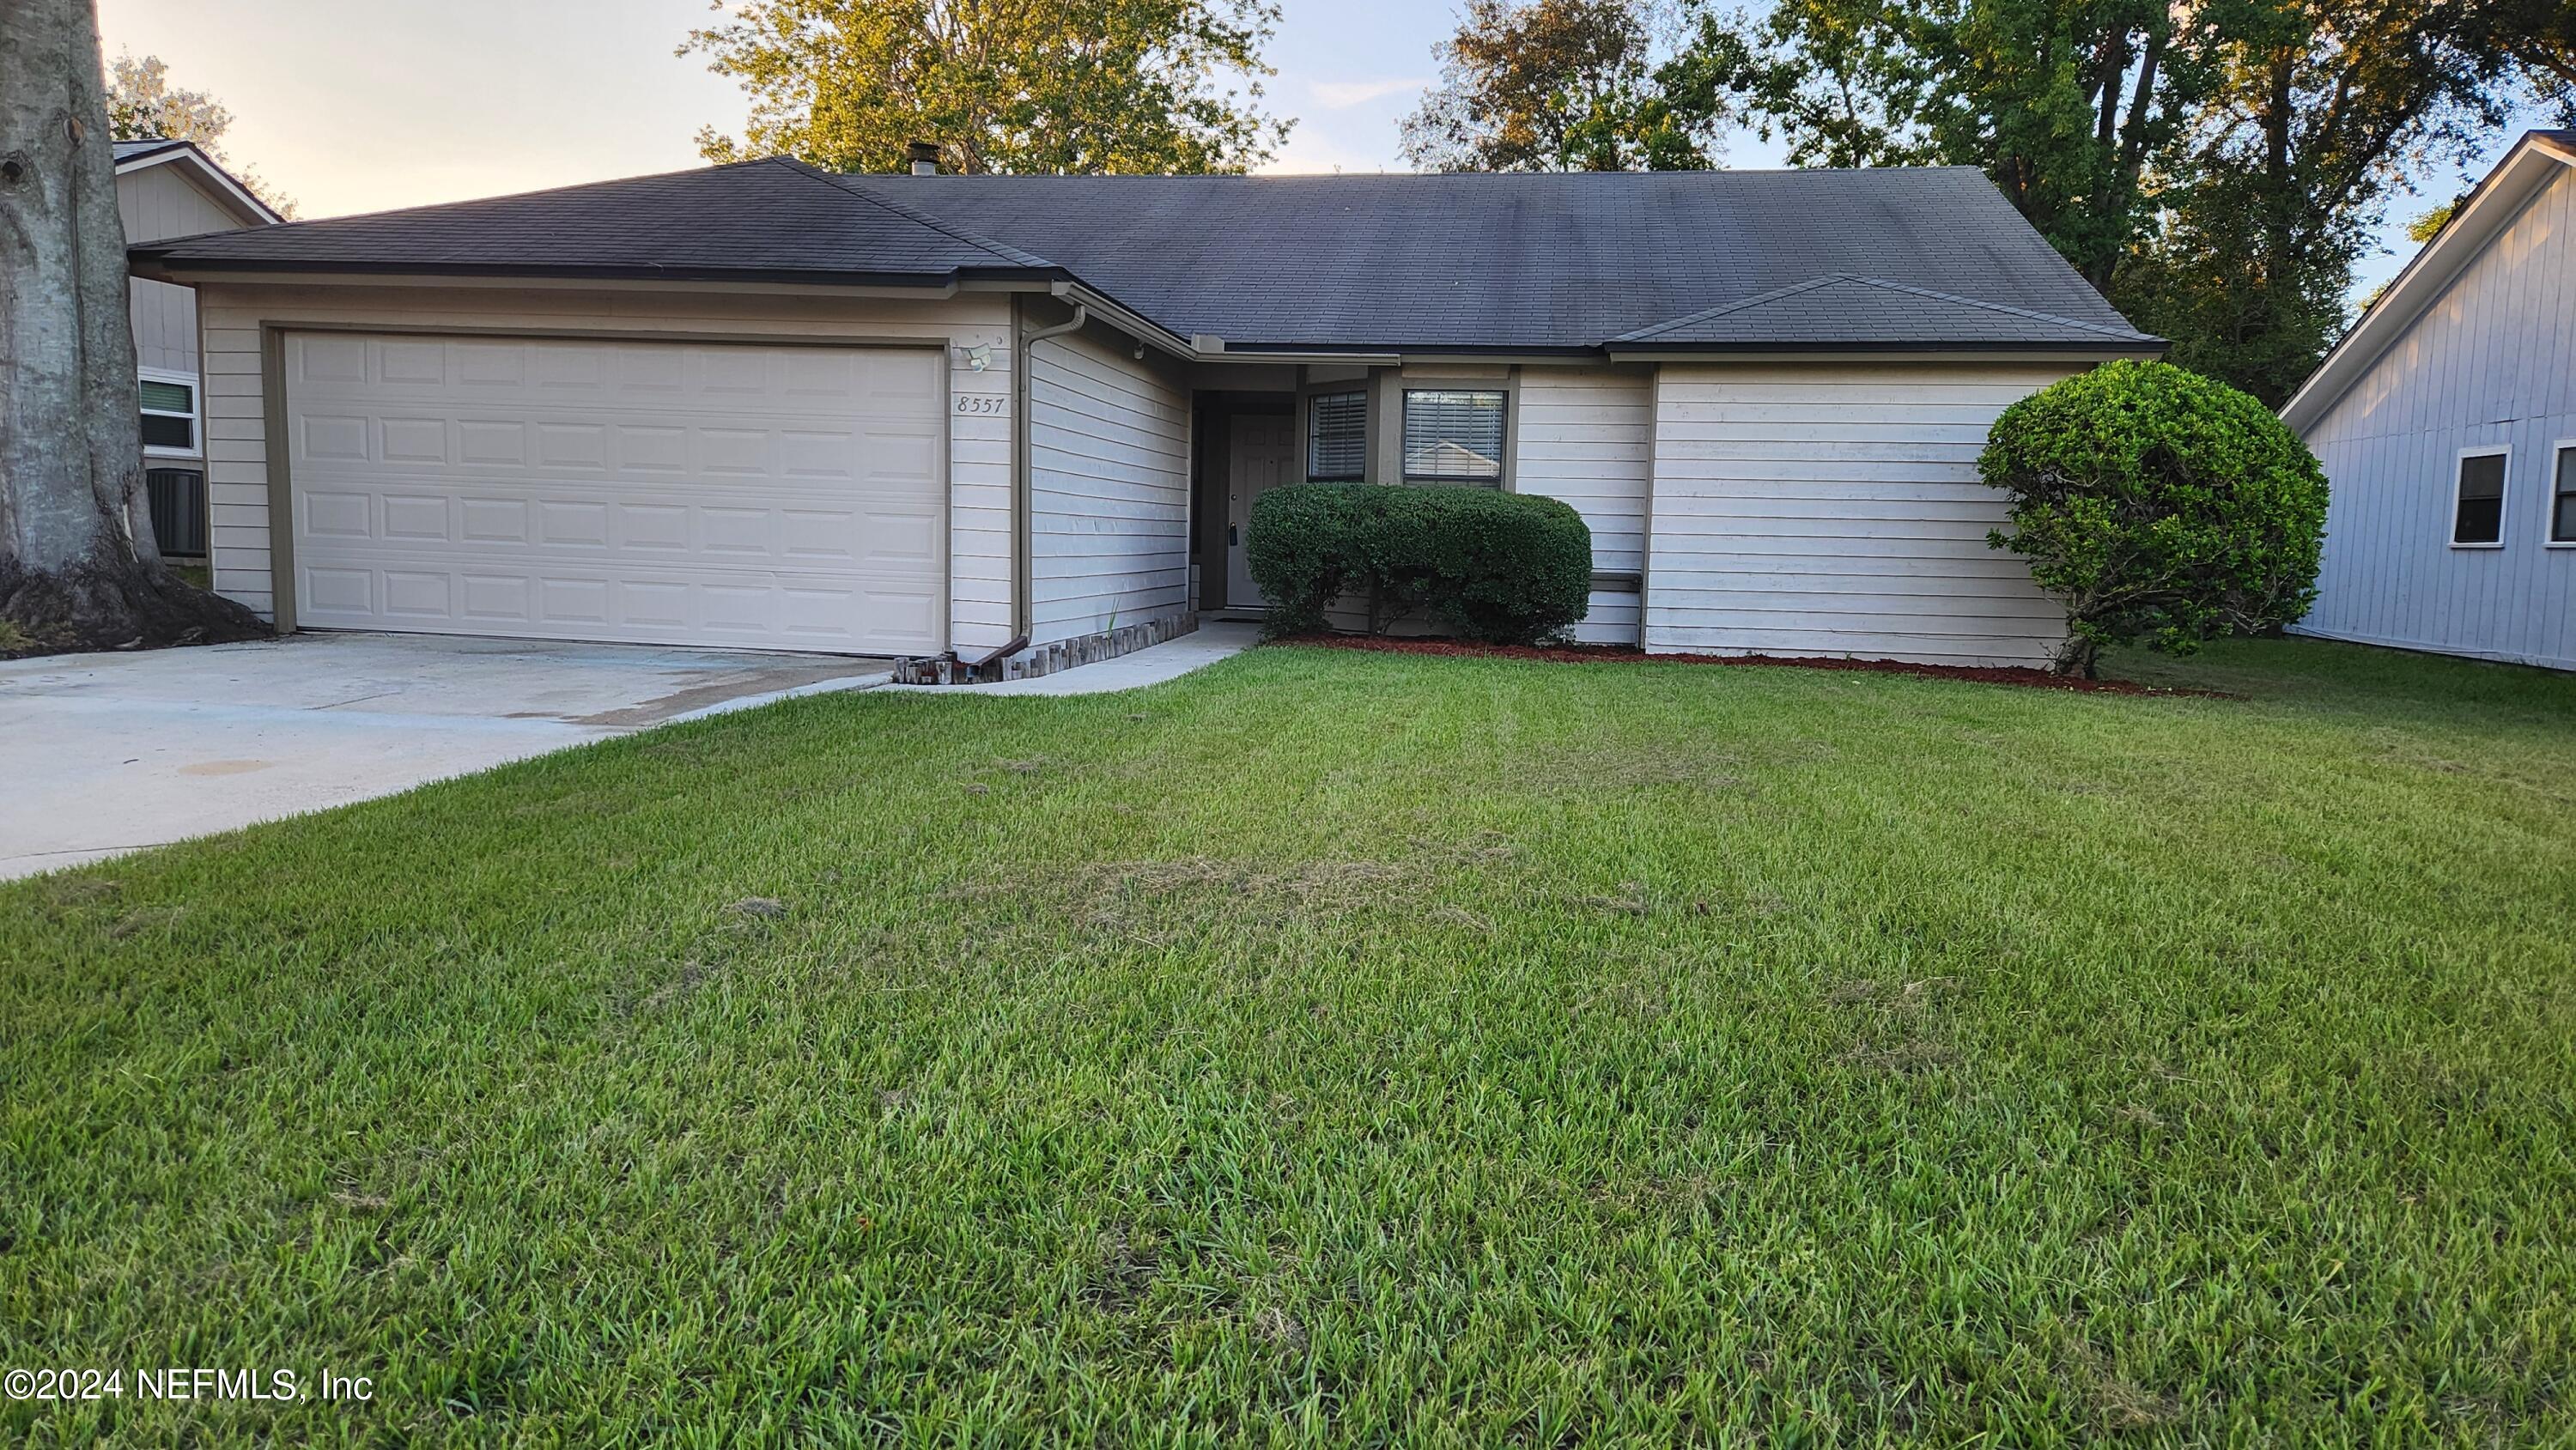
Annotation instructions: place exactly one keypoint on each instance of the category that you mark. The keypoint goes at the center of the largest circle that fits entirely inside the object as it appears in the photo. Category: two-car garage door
(645, 492)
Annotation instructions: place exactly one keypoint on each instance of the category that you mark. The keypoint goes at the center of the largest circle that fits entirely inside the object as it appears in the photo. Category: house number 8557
(981, 402)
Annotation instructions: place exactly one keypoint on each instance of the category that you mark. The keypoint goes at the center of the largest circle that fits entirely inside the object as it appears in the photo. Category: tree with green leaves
(2314, 114)
(2213, 168)
(1566, 85)
(1137, 86)
(143, 105)
(2540, 37)
(2065, 105)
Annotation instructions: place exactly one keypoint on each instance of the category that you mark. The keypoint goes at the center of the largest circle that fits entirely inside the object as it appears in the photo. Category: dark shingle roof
(1871, 311)
(128, 150)
(1503, 261)
(1327, 263)
(775, 219)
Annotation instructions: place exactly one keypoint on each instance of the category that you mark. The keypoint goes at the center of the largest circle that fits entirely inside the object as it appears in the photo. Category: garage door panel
(412, 440)
(754, 611)
(328, 438)
(495, 598)
(777, 498)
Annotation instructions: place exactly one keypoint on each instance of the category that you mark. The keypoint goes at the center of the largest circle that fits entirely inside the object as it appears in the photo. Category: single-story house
(165, 189)
(2446, 420)
(773, 406)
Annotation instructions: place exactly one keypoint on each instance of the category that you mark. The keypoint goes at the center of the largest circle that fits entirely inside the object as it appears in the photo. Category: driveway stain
(225, 767)
(721, 689)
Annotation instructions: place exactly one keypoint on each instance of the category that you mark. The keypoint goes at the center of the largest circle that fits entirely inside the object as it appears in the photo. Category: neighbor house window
(2479, 519)
(2562, 498)
(169, 414)
(1337, 436)
(1453, 435)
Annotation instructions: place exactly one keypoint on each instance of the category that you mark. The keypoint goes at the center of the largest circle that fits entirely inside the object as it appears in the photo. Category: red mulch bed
(1612, 654)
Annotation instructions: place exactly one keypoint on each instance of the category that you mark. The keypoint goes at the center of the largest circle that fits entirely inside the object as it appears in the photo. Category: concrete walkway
(109, 753)
(1169, 660)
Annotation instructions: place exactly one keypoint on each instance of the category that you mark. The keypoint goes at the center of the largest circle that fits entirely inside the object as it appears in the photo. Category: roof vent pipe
(925, 157)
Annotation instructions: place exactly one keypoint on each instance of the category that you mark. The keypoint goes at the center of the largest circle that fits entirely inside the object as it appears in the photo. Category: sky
(364, 105)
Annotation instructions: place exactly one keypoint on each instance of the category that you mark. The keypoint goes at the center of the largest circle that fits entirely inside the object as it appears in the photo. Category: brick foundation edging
(1048, 659)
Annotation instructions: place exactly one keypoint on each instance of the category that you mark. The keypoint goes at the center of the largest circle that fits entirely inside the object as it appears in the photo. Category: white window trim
(2504, 495)
(196, 419)
(2558, 452)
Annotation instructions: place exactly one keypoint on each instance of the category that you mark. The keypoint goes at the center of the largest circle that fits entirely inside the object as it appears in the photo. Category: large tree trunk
(78, 566)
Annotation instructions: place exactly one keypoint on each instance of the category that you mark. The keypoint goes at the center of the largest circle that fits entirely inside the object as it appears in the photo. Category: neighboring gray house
(772, 406)
(2446, 420)
(170, 189)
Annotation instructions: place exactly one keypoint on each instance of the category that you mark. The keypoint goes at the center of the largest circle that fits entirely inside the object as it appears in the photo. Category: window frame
(2504, 492)
(2561, 483)
(196, 414)
(1407, 387)
(1307, 398)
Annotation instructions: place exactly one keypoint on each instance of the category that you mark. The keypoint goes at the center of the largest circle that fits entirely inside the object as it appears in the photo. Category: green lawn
(1350, 1048)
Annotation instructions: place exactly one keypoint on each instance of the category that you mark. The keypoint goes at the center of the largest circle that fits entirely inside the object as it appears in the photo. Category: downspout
(1022, 523)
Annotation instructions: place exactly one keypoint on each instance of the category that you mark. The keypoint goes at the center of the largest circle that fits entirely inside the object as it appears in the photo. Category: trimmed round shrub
(2160, 506)
(1501, 567)
(1297, 547)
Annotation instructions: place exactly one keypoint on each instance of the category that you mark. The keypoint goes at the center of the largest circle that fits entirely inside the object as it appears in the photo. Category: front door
(1257, 462)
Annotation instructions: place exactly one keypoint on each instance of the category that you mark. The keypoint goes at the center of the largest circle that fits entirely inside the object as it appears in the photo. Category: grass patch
(1351, 1048)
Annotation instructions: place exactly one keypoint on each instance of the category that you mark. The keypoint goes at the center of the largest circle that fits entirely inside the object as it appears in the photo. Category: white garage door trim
(788, 495)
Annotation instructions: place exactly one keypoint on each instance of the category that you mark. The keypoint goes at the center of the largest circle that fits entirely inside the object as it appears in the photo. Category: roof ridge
(1893, 286)
(843, 182)
(1649, 334)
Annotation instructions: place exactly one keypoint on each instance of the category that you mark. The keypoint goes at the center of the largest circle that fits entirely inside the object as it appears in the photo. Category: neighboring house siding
(1109, 490)
(165, 326)
(1587, 436)
(155, 203)
(1825, 510)
(979, 443)
(2493, 362)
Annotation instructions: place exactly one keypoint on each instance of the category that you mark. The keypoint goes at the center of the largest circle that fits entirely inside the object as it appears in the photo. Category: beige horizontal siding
(1109, 480)
(1836, 511)
(1587, 436)
(233, 316)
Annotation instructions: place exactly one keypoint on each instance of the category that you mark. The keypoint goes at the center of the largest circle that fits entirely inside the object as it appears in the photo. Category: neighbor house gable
(151, 166)
(2466, 385)
(2540, 161)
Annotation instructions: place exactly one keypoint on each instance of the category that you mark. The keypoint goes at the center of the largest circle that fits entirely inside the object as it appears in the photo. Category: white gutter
(1135, 325)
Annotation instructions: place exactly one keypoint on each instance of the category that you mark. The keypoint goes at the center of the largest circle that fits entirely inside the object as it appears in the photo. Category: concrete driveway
(107, 753)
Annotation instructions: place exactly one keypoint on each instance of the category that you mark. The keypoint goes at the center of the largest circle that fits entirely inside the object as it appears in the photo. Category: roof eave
(153, 261)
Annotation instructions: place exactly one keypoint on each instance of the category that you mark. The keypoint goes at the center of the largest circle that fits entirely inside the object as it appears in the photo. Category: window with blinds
(169, 414)
(1453, 435)
(1337, 436)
